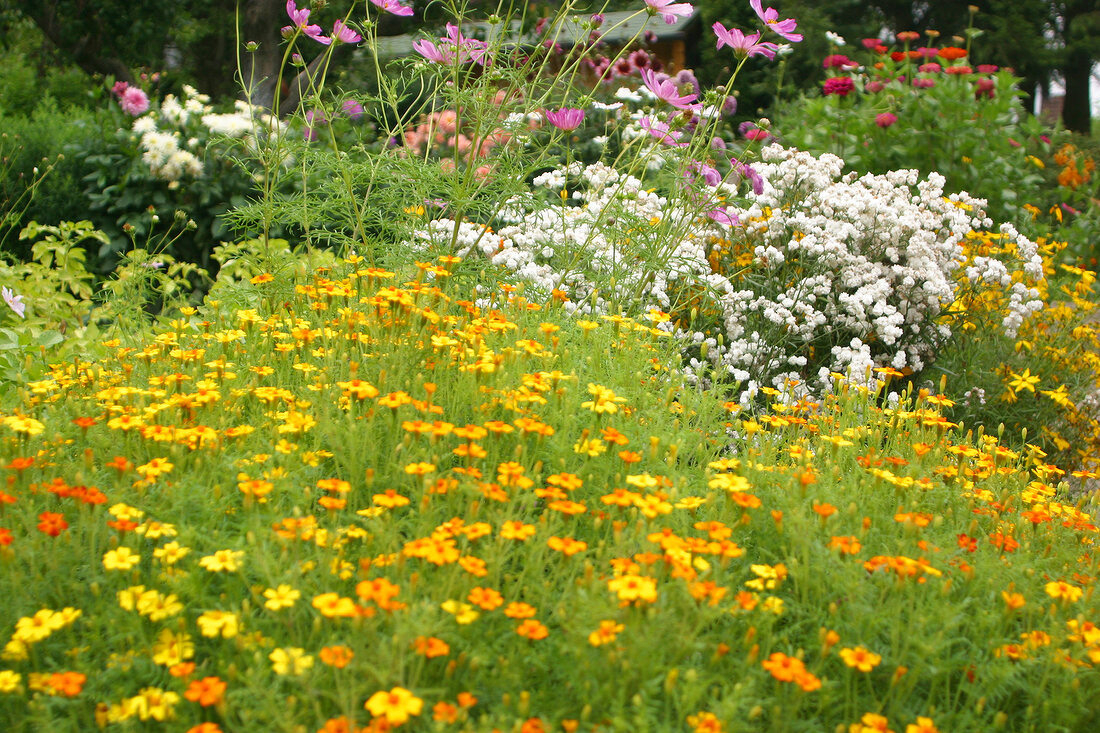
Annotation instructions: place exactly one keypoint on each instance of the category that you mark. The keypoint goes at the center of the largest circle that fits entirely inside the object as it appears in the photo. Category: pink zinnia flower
(838, 61)
(566, 119)
(839, 85)
(133, 101)
(300, 19)
(984, 89)
(885, 119)
(393, 6)
(668, 9)
(757, 133)
(665, 89)
(784, 28)
(987, 68)
(924, 83)
(743, 46)
(874, 86)
(930, 68)
(870, 43)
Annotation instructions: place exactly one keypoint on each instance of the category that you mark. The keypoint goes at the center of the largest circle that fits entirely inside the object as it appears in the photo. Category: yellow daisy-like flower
(223, 561)
(291, 660)
(122, 558)
(9, 681)
(279, 598)
(860, 658)
(396, 706)
(219, 623)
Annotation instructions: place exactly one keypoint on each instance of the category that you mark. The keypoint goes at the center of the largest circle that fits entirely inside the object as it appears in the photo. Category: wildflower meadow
(529, 388)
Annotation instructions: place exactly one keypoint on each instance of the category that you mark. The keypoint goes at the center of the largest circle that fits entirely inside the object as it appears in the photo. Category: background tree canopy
(111, 38)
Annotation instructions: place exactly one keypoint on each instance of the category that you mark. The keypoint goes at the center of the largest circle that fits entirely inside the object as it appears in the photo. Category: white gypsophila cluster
(847, 273)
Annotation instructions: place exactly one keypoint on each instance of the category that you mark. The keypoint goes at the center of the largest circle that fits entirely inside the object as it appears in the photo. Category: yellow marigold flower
(9, 681)
(333, 605)
(171, 648)
(157, 606)
(923, 725)
(871, 723)
(1063, 590)
(291, 660)
(219, 623)
(860, 658)
(223, 560)
(279, 598)
(631, 588)
(1013, 600)
(171, 553)
(122, 558)
(396, 706)
(32, 629)
(606, 633)
(603, 400)
(464, 613)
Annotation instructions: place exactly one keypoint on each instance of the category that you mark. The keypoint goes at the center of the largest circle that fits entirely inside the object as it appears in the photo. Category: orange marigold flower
(847, 544)
(825, 510)
(68, 684)
(52, 523)
(533, 630)
(519, 610)
(444, 712)
(1013, 600)
(486, 598)
(205, 728)
(337, 656)
(704, 722)
(782, 667)
(390, 499)
(431, 647)
(206, 692)
(567, 545)
(466, 700)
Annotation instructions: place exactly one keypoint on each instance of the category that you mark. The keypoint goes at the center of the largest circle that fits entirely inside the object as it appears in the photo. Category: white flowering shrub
(825, 273)
(179, 156)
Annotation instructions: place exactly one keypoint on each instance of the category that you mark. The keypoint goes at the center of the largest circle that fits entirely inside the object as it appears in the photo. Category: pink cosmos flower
(697, 170)
(341, 34)
(665, 89)
(566, 119)
(784, 28)
(662, 132)
(885, 119)
(393, 6)
(300, 19)
(352, 109)
(455, 47)
(668, 10)
(722, 215)
(15, 302)
(133, 101)
(743, 46)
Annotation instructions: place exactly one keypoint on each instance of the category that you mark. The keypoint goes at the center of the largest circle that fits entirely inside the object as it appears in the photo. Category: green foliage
(984, 145)
(54, 140)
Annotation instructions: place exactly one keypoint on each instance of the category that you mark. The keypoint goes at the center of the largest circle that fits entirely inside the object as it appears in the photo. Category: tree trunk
(260, 23)
(1077, 110)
